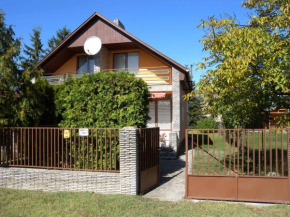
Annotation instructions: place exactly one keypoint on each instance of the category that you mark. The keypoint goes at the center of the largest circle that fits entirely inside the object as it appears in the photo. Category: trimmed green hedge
(105, 99)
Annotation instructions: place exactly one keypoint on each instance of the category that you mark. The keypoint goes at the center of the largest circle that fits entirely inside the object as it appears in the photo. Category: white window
(152, 114)
(164, 114)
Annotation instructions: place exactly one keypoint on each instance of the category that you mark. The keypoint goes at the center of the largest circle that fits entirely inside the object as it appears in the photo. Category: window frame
(126, 59)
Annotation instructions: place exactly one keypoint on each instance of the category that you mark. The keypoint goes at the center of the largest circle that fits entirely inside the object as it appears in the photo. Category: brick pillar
(129, 161)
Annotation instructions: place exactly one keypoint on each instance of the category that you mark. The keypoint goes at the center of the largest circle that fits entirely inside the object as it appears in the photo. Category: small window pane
(119, 61)
(151, 122)
(164, 115)
(82, 64)
(133, 61)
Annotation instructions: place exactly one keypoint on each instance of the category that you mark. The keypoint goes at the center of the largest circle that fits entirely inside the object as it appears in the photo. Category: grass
(37, 203)
(248, 153)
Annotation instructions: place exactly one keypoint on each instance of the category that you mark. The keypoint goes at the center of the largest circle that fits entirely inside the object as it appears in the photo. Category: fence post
(129, 161)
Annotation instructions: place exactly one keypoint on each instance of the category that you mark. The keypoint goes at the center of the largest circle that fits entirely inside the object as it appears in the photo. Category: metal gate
(148, 159)
(238, 165)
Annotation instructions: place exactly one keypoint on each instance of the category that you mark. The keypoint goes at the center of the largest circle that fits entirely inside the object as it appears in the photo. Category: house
(167, 80)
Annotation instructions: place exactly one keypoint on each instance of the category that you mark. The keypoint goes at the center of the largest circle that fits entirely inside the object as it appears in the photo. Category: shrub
(206, 123)
(105, 99)
(102, 100)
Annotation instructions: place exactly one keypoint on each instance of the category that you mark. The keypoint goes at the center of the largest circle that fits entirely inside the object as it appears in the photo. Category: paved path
(172, 180)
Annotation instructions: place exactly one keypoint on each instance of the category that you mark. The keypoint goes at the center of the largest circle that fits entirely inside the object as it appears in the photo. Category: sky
(169, 26)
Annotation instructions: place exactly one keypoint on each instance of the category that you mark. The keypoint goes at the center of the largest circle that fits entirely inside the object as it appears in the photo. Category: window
(129, 61)
(151, 122)
(88, 64)
(160, 114)
(164, 114)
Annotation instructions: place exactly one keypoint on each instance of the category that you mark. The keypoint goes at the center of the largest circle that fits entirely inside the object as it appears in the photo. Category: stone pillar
(176, 107)
(129, 161)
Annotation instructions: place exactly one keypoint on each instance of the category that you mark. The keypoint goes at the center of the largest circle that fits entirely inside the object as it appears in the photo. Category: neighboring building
(167, 80)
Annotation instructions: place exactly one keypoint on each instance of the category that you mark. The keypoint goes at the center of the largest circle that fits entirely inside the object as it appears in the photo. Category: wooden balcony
(152, 75)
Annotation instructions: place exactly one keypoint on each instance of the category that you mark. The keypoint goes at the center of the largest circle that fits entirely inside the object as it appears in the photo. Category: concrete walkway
(172, 180)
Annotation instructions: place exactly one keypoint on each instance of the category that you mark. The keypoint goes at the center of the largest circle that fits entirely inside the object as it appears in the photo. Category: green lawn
(37, 203)
(218, 153)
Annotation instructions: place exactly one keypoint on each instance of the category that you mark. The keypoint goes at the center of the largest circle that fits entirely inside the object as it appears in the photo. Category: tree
(195, 109)
(9, 54)
(21, 102)
(34, 53)
(61, 34)
(249, 64)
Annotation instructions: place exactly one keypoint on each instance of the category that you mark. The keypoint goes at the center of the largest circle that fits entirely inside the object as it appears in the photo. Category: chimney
(119, 23)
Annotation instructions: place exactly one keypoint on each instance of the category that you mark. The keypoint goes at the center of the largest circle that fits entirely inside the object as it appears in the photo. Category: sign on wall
(83, 131)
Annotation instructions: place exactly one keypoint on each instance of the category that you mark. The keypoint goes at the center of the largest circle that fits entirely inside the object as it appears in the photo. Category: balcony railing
(151, 75)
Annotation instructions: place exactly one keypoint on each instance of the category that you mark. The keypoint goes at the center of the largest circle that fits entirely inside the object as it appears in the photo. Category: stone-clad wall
(125, 182)
(59, 180)
(129, 160)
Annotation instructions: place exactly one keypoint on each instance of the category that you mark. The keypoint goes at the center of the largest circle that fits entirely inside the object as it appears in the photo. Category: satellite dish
(92, 45)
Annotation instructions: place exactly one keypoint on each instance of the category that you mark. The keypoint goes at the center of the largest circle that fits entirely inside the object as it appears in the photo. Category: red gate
(148, 159)
(238, 165)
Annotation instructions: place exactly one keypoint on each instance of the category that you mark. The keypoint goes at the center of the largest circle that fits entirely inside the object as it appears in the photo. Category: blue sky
(170, 26)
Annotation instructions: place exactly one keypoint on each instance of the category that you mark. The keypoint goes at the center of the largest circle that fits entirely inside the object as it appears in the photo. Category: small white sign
(83, 131)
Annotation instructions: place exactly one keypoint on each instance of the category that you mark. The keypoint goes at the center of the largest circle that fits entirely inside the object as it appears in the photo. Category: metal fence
(239, 152)
(96, 149)
(148, 159)
(238, 164)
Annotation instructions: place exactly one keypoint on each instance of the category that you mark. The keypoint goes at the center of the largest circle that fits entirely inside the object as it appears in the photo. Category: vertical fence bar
(197, 150)
(270, 132)
(97, 150)
(243, 151)
(92, 144)
(238, 146)
(51, 148)
(58, 147)
(116, 149)
(230, 152)
(105, 149)
(265, 153)
(259, 150)
(101, 146)
(207, 151)
(234, 148)
(110, 149)
(28, 145)
(254, 168)
(192, 151)
(276, 151)
(282, 153)
(248, 153)
(54, 143)
(75, 149)
(62, 149)
(39, 145)
(219, 153)
(202, 147)
(88, 160)
(224, 151)
(79, 150)
(213, 150)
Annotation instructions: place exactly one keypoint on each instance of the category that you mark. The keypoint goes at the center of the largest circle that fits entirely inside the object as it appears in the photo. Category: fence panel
(148, 158)
(60, 148)
(238, 164)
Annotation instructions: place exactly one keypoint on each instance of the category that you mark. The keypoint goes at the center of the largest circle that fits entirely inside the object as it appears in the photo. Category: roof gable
(109, 33)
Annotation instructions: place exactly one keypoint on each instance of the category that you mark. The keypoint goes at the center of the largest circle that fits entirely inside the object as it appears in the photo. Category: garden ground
(37, 203)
